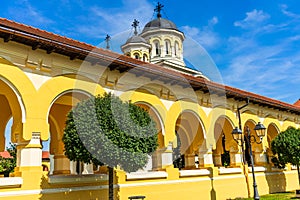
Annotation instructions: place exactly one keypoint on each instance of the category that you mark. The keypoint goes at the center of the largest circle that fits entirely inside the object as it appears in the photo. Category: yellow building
(43, 75)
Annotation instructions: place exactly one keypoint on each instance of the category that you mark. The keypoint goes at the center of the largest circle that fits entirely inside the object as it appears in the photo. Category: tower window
(176, 49)
(157, 50)
(136, 56)
(167, 43)
(145, 58)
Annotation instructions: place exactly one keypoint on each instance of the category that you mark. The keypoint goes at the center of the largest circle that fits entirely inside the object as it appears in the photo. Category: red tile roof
(10, 30)
(297, 103)
(45, 155)
(5, 154)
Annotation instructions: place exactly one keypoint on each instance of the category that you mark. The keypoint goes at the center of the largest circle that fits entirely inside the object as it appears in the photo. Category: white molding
(258, 169)
(145, 175)
(67, 179)
(230, 170)
(11, 181)
(194, 172)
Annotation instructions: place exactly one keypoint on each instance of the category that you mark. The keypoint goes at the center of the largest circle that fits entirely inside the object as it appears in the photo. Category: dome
(159, 23)
(136, 39)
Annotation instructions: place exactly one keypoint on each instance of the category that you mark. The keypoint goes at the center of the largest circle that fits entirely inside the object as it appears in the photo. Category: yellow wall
(39, 100)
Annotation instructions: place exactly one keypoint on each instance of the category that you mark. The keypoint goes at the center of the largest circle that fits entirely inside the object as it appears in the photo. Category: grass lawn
(277, 196)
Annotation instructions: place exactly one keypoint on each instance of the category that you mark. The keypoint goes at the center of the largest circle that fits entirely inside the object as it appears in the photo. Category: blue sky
(253, 44)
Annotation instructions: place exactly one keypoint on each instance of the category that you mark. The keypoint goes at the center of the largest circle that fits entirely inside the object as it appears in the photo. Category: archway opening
(226, 147)
(190, 141)
(59, 163)
(155, 161)
(272, 132)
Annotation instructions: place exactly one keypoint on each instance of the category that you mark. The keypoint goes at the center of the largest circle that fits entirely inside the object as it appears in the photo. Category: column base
(32, 176)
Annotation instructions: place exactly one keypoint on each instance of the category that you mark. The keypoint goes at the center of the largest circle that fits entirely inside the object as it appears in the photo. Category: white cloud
(253, 19)
(28, 13)
(284, 10)
(269, 70)
(206, 35)
(102, 21)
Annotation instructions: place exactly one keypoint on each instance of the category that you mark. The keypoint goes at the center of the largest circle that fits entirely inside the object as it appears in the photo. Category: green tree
(286, 148)
(106, 131)
(8, 165)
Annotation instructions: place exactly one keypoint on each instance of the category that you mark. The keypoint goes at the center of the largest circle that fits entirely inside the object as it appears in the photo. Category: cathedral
(200, 156)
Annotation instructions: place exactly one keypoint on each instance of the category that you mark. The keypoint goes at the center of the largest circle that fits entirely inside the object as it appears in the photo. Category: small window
(167, 43)
(176, 48)
(136, 56)
(157, 49)
(145, 58)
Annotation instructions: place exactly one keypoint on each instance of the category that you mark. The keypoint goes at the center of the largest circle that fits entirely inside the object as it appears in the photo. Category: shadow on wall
(76, 191)
(276, 181)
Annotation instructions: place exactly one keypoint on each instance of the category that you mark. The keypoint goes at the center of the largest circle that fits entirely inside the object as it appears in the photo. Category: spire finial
(135, 24)
(158, 9)
(107, 40)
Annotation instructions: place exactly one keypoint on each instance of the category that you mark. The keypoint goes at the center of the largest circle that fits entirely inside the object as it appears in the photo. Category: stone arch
(249, 117)
(57, 115)
(155, 161)
(225, 146)
(151, 100)
(22, 94)
(287, 124)
(271, 132)
(173, 113)
(10, 108)
(213, 116)
(156, 109)
(190, 140)
(53, 88)
(258, 151)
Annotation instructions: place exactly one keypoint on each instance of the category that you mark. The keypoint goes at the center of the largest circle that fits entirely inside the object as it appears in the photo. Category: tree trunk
(110, 183)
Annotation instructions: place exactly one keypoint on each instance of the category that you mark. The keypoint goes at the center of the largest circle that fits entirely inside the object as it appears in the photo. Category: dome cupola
(136, 46)
(165, 39)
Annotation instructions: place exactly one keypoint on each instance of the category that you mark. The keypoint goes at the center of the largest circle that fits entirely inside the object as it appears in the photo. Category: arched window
(176, 49)
(136, 56)
(168, 47)
(145, 58)
(157, 48)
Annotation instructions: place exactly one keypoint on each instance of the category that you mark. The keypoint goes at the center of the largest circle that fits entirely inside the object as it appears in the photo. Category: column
(31, 154)
(88, 168)
(189, 161)
(29, 161)
(205, 157)
(260, 157)
(167, 156)
(236, 157)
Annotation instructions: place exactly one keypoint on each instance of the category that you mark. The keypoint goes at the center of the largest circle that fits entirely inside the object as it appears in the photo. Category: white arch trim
(19, 98)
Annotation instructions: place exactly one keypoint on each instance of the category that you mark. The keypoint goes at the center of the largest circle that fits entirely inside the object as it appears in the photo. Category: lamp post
(238, 136)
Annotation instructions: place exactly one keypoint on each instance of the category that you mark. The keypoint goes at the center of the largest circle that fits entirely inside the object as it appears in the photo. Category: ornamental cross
(158, 9)
(107, 40)
(135, 24)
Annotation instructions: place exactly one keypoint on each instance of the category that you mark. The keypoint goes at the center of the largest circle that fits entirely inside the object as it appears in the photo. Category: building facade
(43, 75)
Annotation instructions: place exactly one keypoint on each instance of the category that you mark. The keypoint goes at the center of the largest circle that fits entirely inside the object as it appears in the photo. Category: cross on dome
(158, 9)
(135, 24)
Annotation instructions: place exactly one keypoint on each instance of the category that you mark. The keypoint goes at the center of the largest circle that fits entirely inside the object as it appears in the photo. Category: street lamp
(238, 136)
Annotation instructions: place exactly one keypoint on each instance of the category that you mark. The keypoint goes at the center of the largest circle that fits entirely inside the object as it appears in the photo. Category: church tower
(159, 43)
(165, 39)
(136, 46)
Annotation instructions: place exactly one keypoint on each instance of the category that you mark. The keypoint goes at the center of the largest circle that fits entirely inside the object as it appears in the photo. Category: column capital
(35, 141)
